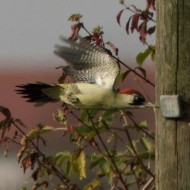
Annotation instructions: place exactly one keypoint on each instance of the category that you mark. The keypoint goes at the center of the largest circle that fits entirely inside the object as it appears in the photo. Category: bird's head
(137, 99)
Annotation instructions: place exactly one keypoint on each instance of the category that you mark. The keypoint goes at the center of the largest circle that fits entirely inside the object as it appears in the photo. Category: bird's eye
(138, 100)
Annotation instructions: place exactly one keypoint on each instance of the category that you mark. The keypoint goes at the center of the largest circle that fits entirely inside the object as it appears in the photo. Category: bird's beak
(150, 105)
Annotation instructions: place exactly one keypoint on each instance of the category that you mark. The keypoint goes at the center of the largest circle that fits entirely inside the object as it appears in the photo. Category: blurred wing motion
(88, 63)
(94, 71)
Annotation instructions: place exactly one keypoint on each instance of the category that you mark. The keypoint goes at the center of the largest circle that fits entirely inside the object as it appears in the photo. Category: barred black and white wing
(88, 63)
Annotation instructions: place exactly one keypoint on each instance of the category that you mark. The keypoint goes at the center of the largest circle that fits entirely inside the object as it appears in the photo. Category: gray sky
(29, 29)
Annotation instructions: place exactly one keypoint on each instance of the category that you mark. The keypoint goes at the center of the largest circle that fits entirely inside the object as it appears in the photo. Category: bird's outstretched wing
(88, 63)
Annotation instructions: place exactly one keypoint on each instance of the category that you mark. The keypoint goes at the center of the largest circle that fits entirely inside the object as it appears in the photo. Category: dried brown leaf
(26, 163)
(29, 161)
(21, 152)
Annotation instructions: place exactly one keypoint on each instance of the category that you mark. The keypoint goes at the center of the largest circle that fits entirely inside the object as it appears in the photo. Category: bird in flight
(94, 71)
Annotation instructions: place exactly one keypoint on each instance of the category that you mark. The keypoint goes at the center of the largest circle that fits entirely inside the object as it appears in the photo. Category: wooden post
(173, 77)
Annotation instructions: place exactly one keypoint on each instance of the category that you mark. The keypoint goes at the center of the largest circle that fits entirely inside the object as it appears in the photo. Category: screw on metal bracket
(170, 106)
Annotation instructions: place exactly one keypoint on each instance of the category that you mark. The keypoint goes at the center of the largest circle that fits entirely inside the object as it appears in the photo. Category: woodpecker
(94, 71)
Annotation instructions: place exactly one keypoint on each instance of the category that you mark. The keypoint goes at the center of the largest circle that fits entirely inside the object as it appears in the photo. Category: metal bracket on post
(171, 106)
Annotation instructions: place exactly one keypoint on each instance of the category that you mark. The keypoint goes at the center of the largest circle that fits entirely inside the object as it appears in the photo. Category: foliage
(143, 55)
(139, 22)
(102, 140)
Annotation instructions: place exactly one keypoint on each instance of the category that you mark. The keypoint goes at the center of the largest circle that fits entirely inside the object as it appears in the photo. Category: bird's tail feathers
(35, 93)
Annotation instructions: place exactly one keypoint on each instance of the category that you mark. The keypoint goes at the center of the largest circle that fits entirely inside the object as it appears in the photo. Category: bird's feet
(73, 99)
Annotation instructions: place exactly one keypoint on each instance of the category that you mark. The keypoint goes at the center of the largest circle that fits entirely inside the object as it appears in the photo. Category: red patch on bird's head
(130, 91)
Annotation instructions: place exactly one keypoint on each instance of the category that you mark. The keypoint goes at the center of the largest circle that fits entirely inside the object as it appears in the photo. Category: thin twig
(148, 183)
(110, 156)
(139, 128)
(59, 174)
(133, 148)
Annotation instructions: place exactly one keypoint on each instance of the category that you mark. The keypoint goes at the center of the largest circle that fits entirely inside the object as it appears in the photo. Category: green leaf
(96, 160)
(92, 185)
(33, 133)
(132, 147)
(111, 138)
(85, 115)
(46, 129)
(109, 115)
(143, 124)
(36, 132)
(147, 144)
(134, 144)
(79, 134)
(93, 133)
(142, 56)
(60, 117)
(120, 77)
(147, 155)
(68, 167)
(105, 168)
(61, 157)
(78, 163)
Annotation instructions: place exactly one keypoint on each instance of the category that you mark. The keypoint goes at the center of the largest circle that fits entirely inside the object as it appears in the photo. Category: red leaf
(75, 30)
(127, 25)
(118, 18)
(97, 38)
(146, 15)
(150, 4)
(135, 20)
(143, 31)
